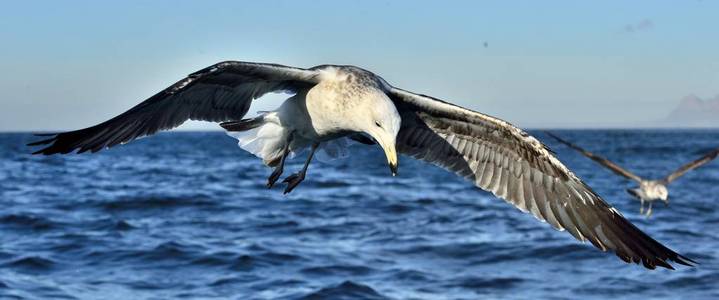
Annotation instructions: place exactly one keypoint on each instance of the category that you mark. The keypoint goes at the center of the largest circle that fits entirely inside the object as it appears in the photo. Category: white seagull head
(382, 123)
(364, 106)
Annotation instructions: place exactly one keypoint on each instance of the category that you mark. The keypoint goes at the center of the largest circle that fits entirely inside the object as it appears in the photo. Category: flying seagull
(332, 102)
(648, 190)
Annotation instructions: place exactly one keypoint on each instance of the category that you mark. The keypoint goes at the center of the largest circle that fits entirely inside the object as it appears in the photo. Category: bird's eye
(378, 124)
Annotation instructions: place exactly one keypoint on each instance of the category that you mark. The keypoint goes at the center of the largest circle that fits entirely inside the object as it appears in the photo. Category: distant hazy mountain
(695, 112)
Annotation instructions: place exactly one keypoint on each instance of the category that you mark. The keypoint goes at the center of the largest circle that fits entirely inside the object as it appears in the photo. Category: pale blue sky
(71, 64)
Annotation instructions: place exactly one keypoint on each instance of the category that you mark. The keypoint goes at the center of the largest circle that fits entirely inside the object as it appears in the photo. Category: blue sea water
(186, 215)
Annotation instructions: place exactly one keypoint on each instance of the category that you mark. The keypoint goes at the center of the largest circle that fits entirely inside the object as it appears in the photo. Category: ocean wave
(155, 202)
(28, 221)
(482, 283)
(246, 263)
(345, 291)
(454, 251)
(337, 270)
(411, 275)
(215, 259)
(684, 232)
(31, 263)
(706, 281)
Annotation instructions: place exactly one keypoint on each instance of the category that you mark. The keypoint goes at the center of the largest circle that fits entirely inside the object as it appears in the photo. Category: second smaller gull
(648, 190)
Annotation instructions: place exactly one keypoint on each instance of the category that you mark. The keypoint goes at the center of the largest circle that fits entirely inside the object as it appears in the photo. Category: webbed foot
(293, 180)
(276, 173)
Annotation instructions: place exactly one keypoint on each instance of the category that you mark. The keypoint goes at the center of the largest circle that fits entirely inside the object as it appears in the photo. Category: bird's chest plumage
(651, 191)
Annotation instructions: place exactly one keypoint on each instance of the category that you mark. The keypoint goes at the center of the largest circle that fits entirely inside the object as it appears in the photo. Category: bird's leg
(277, 172)
(641, 207)
(649, 211)
(295, 179)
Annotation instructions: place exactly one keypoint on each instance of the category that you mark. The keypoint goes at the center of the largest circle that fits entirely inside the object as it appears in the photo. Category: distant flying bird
(333, 102)
(648, 190)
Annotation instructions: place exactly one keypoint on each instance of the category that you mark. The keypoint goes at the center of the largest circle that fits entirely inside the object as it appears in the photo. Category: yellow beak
(392, 159)
(389, 151)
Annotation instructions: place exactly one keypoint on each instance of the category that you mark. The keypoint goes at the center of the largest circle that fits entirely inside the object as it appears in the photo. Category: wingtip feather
(41, 142)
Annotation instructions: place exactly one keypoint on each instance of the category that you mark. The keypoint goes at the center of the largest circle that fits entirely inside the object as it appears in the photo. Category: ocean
(186, 215)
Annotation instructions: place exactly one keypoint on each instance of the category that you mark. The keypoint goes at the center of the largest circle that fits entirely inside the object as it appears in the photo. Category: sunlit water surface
(187, 215)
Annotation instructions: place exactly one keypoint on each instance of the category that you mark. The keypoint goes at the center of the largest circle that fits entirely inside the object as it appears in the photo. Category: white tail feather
(266, 141)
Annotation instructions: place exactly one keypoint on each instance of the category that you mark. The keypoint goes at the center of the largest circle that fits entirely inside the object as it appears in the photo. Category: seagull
(330, 103)
(648, 190)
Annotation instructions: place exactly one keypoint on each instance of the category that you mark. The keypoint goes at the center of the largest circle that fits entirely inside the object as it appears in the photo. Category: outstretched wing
(692, 165)
(601, 160)
(220, 92)
(516, 167)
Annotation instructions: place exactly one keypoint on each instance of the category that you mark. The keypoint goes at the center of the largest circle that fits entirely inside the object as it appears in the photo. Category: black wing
(503, 159)
(221, 92)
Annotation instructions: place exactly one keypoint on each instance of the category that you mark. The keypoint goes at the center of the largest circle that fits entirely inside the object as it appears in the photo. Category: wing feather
(600, 160)
(221, 92)
(692, 165)
(503, 159)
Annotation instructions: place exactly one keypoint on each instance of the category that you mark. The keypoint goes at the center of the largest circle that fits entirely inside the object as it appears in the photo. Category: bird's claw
(274, 177)
(293, 180)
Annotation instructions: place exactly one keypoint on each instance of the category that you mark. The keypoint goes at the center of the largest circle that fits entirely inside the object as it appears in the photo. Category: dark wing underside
(600, 160)
(516, 167)
(221, 92)
(692, 165)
